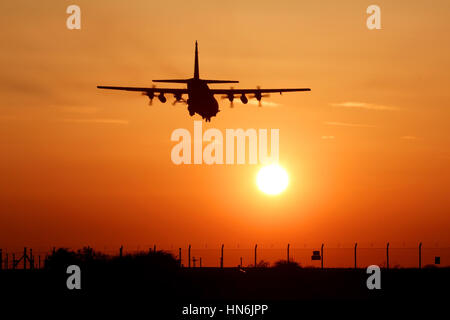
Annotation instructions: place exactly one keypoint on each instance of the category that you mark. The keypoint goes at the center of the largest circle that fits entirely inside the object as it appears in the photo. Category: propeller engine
(178, 98)
(162, 98)
(258, 95)
(230, 97)
(150, 95)
(244, 99)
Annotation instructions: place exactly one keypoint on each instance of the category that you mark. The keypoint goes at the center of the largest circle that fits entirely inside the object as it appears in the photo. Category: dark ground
(287, 291)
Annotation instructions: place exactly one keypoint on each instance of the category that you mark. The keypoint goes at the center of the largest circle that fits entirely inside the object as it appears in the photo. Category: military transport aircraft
(200, 97)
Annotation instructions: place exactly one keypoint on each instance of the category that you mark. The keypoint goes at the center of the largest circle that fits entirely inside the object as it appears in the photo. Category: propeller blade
(258, 96)
(150, 95)
(179, 101)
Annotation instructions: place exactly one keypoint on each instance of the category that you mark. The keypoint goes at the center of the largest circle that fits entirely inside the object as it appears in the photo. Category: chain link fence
(330, 257)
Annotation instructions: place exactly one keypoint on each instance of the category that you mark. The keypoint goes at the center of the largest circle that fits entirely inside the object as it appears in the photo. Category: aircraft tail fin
(196, 74)
(196, 71)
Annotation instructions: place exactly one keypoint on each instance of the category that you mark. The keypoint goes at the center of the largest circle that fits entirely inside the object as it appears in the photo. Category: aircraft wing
(148, 90)
(255, 91)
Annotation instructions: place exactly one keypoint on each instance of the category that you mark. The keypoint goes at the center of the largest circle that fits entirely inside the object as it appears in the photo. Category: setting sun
(272, 179)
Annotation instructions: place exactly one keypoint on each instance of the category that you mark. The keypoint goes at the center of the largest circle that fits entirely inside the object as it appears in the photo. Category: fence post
(387, 256)
(189, 256)
(179, 256)
(288, 252)
(120, 251)
(221, 257)
(256, 247)
(24, 258)
(241, 263)
(420, 255)
(321, 256)
(356, 245)
(1, 259)
(31, 259)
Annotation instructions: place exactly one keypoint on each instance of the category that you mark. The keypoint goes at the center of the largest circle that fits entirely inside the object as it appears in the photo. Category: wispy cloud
(264, 103)
(345, 124)
(101, 121)
(364, 105)
(79, 110)
(410, 138)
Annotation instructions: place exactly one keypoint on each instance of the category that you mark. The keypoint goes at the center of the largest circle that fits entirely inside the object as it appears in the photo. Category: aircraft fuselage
(201, 100)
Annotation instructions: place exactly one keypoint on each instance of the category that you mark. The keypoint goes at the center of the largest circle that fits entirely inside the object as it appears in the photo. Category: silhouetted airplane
(200, 97)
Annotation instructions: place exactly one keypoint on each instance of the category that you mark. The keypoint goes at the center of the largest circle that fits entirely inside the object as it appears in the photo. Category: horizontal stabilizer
(188, 80)
(221, 81)
(173, 80)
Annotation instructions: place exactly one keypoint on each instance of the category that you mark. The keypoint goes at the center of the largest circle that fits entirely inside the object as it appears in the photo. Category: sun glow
(272, 179)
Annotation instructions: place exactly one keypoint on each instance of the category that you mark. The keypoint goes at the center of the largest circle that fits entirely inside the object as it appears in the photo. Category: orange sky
(84, 166)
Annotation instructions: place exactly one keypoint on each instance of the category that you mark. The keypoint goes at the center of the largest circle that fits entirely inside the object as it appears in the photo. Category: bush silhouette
(260, 264)
(286, 265)
(159, 260)
(60, 258)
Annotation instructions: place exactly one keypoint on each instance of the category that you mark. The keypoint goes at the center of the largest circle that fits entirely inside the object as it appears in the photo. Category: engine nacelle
(230, 97)
(178, 96)
(162, 98)
(244, 99)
